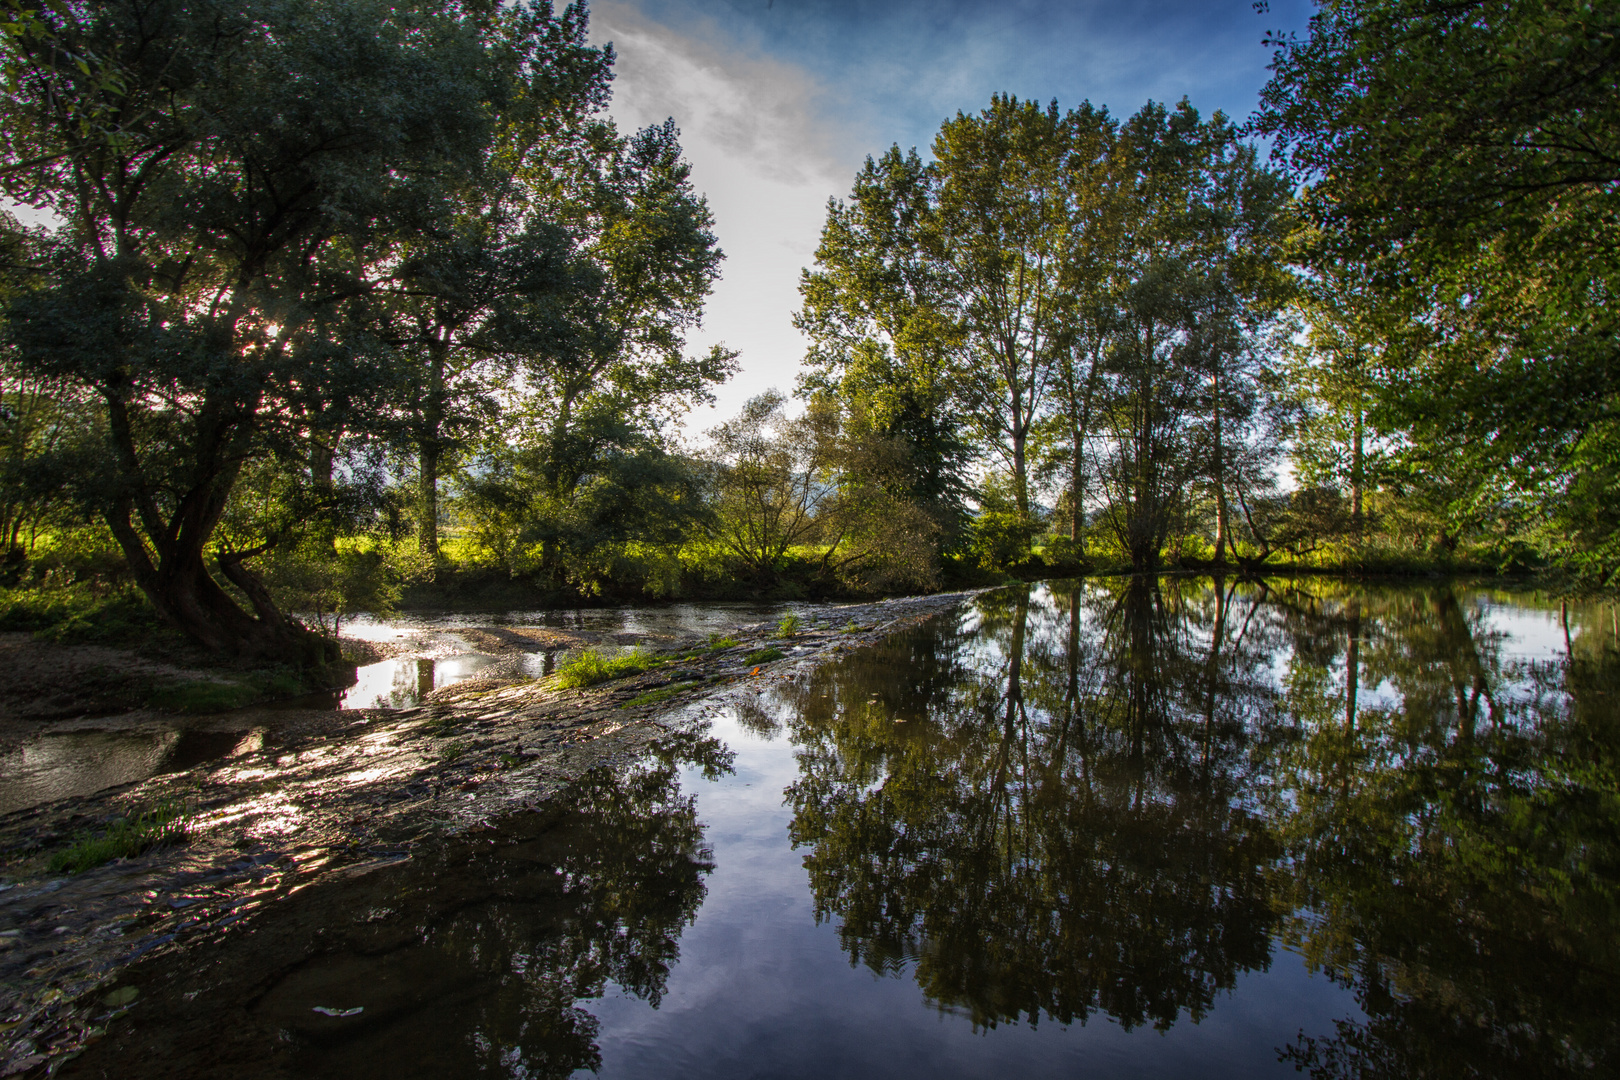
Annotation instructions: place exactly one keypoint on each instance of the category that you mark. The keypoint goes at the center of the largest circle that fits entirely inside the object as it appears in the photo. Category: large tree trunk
(165, 552)
(188, 596)
(427, 498)
(1356, 467)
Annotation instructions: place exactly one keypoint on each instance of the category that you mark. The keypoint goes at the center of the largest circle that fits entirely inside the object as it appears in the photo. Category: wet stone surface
(282, 799)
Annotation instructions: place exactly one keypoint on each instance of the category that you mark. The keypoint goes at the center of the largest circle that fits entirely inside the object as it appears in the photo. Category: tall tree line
(1088, 299)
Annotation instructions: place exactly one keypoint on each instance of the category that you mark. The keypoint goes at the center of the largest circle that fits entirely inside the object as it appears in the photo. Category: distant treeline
(348, 297)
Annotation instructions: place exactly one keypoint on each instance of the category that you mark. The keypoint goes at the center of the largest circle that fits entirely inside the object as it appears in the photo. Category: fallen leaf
(121, 997)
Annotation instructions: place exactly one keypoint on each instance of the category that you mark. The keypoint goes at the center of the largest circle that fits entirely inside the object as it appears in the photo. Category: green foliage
(441, 237)
(77, 615)
(158, 825)
(1460, 160)
(718, 641)
(592, 666)
(1000, 538)
(331, 578)
(789, 625)
(1089, 301)
(764, 656)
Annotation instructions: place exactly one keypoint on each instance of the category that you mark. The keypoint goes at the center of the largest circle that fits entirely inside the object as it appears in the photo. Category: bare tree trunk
(1218, 475)
(430, 451)
(1356, 476)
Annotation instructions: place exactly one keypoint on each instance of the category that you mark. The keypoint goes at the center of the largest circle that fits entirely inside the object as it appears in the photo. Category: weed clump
(764, 656)
(222, 695)
(722, 641)
(595, 666)
(161, 824)
(789, 625)
(664, 693)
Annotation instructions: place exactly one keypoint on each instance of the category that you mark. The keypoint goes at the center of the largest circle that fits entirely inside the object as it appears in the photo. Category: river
(1118, 828)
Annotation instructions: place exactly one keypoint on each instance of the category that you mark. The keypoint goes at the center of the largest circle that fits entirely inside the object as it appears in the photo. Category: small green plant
(163, 823)
(653, 697)
(722, 641)
(764, 656)
(851, 628)
(789, 625)
(221, 695)
(594, 666)
(203, 696)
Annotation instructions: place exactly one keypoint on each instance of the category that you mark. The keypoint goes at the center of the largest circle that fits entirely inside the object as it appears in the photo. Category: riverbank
(308, 792)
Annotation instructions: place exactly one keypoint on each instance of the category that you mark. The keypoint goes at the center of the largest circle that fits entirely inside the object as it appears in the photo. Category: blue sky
(779, 101)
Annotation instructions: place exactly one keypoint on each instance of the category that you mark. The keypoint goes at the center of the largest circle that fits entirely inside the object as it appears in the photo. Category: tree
(616, 354)
(1466, 154)
(1186, 300)
(769, 483)
(999, 239)
(872, 311)
(1331, 373)
(245, 167)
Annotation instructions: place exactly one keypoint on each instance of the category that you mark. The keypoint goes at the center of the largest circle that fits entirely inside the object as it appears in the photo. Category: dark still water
(1112, 830)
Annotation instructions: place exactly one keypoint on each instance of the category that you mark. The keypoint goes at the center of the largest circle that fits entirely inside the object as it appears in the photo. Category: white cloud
(763, 152)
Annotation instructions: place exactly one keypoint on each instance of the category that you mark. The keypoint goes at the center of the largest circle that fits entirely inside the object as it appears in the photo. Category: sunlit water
(1119, 830)
(401, 683)
(64, 764)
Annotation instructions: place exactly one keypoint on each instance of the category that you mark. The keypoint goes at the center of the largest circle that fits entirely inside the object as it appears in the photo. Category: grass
(75, 615)
(722, 641)
(163, 823)
(764, 656)
(653, 697)
(789, 625)
(220, 695)
(594, 666)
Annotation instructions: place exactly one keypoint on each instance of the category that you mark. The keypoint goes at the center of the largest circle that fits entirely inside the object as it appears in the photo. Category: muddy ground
(311, 792)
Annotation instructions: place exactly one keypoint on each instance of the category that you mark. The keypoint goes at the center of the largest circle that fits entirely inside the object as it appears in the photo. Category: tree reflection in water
(1453, 842)
(1118, 797)
(466, 960)
(1064, 822)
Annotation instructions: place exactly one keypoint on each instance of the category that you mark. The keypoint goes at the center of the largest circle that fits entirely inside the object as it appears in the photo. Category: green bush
(1001, 539)
(790, 625)
(164, 823)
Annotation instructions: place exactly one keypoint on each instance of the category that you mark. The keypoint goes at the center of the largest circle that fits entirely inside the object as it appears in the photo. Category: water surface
(1184, 828)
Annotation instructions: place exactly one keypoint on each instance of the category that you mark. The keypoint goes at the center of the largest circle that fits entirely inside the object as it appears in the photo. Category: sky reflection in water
(1121, 830)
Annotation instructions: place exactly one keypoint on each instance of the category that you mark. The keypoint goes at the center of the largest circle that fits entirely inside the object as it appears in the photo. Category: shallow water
(1117, 830)
(62, 764)
(402, 683)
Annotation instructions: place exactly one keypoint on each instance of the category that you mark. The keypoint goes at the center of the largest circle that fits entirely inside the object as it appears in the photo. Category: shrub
(70, 615)
(789, 625)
